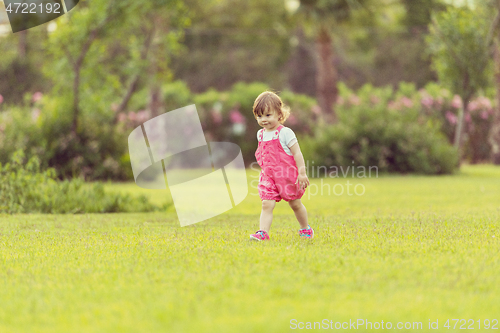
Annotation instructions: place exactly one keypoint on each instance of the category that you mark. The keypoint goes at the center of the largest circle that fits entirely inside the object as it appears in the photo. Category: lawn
(410, 249)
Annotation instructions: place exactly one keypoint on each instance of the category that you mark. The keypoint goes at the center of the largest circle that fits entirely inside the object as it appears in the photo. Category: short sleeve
(258, 134)
(288, 136)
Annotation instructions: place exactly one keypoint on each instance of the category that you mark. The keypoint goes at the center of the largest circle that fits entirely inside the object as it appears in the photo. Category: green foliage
(330, 11)
(418, 13)
(24, 188)
(44, 131)
(23, 55)
(176, 95)
(229, 42)
(110, 50)
(373, 131)
(460, 50)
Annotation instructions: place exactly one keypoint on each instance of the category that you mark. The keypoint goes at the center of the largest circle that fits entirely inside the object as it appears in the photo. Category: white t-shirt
(287, 138)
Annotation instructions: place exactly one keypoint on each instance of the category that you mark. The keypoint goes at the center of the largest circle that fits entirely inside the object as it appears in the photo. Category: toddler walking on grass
(283, 174)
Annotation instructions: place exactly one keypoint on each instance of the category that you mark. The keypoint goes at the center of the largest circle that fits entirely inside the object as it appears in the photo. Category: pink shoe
(306, 233)
(260, 236)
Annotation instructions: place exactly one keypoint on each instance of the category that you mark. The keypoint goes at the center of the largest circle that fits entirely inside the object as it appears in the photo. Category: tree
(458, 42)
(494, 37)
(230, 41)
(101, 56)
(109, 46)
(22, 55)
(323, 16)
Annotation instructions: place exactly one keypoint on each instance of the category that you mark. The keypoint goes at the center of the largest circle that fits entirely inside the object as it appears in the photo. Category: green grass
(412, 248)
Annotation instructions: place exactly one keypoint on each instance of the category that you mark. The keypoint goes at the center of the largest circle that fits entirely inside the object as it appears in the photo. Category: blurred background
(409, 86)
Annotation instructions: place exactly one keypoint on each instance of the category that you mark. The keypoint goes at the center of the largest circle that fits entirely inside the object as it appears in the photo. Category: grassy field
(410, 249)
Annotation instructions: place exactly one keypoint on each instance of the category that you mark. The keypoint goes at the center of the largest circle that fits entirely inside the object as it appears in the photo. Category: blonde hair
(268, 101)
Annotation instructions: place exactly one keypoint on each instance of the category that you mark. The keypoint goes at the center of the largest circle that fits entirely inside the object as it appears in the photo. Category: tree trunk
(495, 128)
(459, 131)
(135, 81)
(22, 47)
(326, 76)
(461, 115)
(76, 100)
(301, 67)
(155, 101)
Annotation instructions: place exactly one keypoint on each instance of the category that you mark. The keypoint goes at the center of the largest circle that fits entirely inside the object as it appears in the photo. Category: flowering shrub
(440, 104)
(42, 127)
(384, 129)
(478, 120)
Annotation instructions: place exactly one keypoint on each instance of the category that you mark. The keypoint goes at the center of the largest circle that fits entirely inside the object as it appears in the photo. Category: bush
(373, 131)
(24, 188)
(43, 129)
(440, 104)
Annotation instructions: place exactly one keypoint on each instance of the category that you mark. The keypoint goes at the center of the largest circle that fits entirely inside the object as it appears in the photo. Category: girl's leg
(300, 212)
(266, 216)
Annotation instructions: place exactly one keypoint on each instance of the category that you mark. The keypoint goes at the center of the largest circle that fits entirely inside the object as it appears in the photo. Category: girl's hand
(303, 181)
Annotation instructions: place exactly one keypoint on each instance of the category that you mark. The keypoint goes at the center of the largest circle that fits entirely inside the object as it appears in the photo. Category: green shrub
(24, 188)
(44, 130)
(373, 131)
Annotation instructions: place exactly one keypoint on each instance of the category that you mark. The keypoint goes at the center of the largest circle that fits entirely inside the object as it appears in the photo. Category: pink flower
(132, 116)
(484, 102)
(427, 101)
(316, 109)
(452, 119)
(456, 102)
(340, 100)
(142, 116)
(37, 96)
(484, 114)
(407, 102)
(1, 99)
(122, 117)
(473, 106)
(236, 117)
(374, 99)
(354, 100)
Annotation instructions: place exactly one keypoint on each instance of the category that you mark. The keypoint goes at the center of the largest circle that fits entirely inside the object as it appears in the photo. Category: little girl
(283, 174)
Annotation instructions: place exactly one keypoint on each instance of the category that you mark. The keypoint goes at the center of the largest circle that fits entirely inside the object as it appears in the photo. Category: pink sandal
(260, 236)
(306, 233)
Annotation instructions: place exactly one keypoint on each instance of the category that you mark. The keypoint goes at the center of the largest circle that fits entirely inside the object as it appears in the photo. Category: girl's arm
(301, 165)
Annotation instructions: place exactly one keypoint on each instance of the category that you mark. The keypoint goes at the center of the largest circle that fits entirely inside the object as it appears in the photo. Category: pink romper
(279, 170)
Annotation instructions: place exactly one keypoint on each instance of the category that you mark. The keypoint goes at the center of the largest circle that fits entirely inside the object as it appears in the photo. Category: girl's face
(269, 120)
